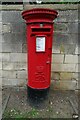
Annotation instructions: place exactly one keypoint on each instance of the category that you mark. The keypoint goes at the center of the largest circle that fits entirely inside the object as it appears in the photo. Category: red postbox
(39, 39)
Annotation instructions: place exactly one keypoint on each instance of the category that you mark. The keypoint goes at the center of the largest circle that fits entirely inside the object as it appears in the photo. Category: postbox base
(37, 93)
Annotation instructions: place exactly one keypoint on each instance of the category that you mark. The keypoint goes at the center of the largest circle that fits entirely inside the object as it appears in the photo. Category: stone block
(55, 75)
(67, 16)
(0, 73)
(60, 38)
(76, 76)
(6, 28)
(67, 49)
(57, 58)
(77, 67)
(77, 49)
(6, 57)
(9, 82)
(12, 7)
(8, 66)
(0, 16)
(22, 74)
(20, 66)
(68, 85)
(12, 16)
(51, 6)
(12, 48)
(64, 85)
(66, 28)
(71, 59)
(18, 27)
(11, 1)
(1, 38)
(14, 82)
(55, 48)
(60, 28)
(18, 57)
(22, 82)
(14, 66)
(63, 67)
(14, 38)
(0, 57)
(66, 76)
(1, 47)
(8, 74)
(0, 65)
(24, 48)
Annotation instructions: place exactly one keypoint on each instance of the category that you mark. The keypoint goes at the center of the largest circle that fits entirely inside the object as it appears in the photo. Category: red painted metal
(39, 29)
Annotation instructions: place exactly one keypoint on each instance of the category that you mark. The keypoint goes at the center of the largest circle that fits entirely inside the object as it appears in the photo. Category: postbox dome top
(39, 14)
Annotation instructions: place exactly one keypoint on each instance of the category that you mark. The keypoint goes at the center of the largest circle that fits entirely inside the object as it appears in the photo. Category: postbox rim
(39, 9)
(36, 11)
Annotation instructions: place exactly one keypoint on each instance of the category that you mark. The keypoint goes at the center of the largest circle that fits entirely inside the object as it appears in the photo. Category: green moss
(17, 114)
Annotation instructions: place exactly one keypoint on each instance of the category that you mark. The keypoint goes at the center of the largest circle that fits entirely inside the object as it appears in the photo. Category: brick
(6, 57)
(71, 59)
(57, 58)
(66, 76)
(18, 57)
(55, 75)
(9, 74)
(22, 74)
(63, 67)
(64, 85)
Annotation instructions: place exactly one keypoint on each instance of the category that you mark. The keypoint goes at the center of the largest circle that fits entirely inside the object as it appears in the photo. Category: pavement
(20, 102)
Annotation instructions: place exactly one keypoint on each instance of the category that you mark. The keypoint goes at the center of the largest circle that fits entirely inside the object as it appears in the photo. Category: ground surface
(56, 104)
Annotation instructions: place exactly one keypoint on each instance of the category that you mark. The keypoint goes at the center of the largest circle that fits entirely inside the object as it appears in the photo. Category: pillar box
(39, 35)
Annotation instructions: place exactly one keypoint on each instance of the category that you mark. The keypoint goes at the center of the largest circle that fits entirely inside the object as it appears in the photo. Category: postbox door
(39, 59)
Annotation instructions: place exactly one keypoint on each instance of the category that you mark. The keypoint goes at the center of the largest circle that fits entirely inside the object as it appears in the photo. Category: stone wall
(13, 50)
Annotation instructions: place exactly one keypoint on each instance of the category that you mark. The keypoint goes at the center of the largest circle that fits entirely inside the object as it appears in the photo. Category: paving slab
(22, 103)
